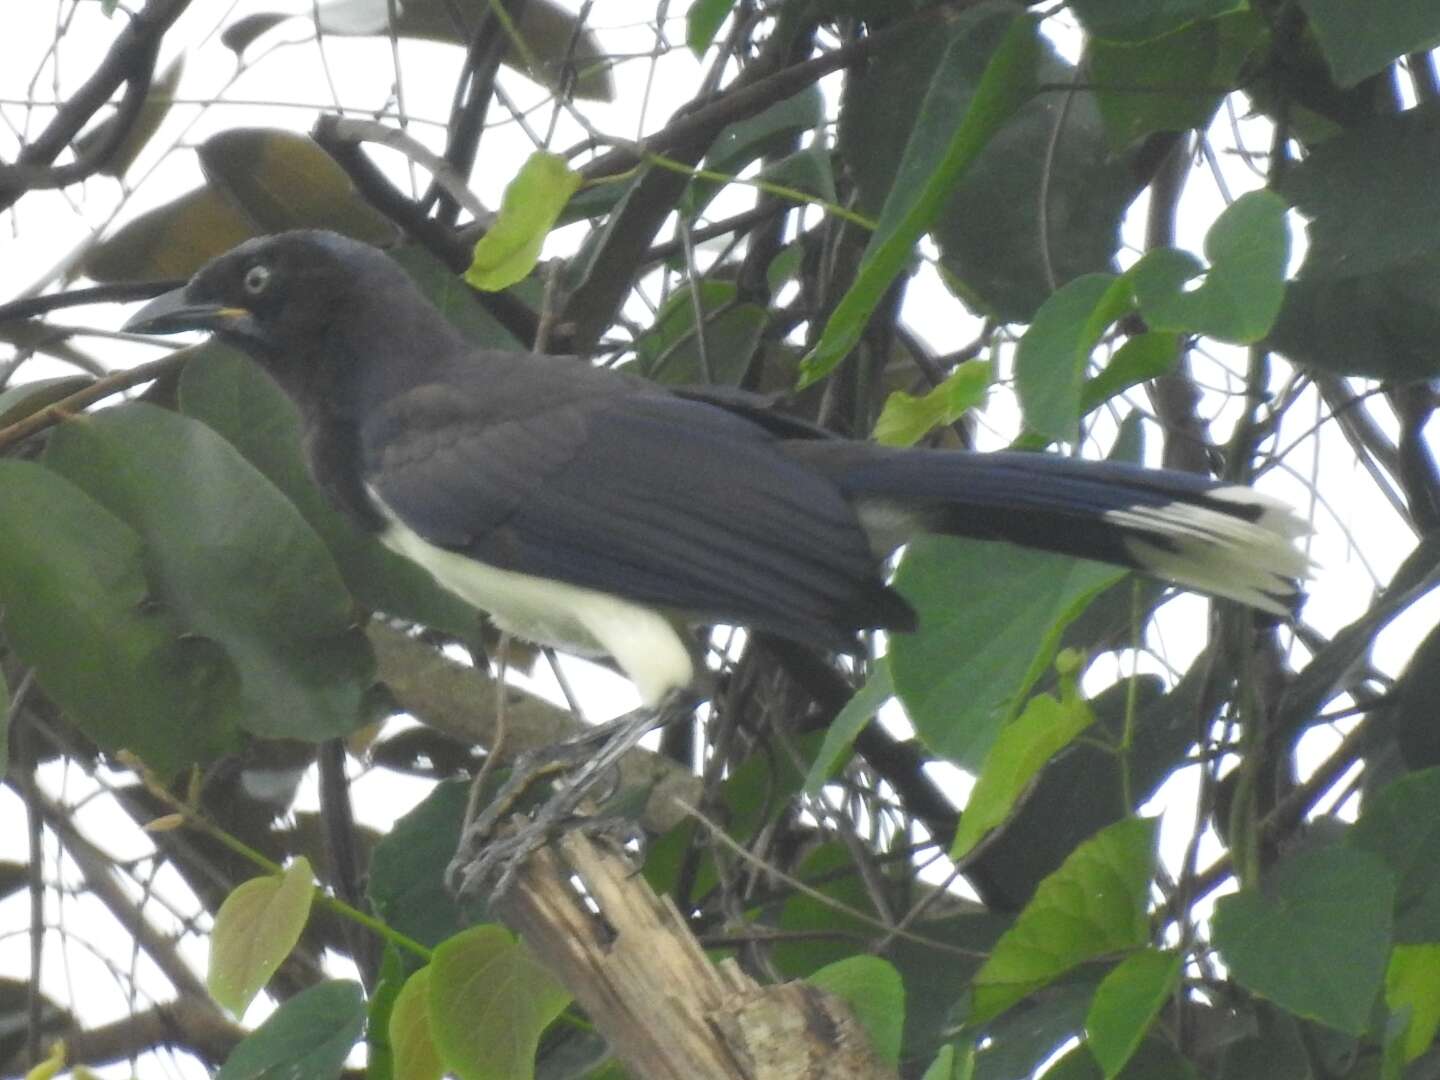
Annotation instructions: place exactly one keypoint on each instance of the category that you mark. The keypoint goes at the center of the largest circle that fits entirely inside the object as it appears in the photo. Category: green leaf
(415, 1055)
(992, 235)
(1275, 1049)
(152, 114)
(1020, 751)
(1382, 325)
(457, 301)
(1412, 981)
(407, 869)
(24, 400)
(669, 352)
(489, 1002)
(1053, 352)
(1174, 82)
(972, 663)
(283, 180)
(257, 926)
(79, 610)
(1401, 825)
(704, 18)
(171, 241)
(1155, 1059)
(1361, 40)
(773, 131)
(1125, 20)
(1094, 904)
(952, 1064)
(1142, 358)
(1126, 1003)
(229, 393)
(1248, 247)
(906, 419)
(532, 201)
(841, 732)
(873, 990)
(310, 1035)
(1364, 219)
(1018, 1042)
(234, 559)
(937, 155)
(4, 754)
(1320, 912)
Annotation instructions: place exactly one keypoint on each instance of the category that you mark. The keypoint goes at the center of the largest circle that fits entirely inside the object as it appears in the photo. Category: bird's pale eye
(256, 278)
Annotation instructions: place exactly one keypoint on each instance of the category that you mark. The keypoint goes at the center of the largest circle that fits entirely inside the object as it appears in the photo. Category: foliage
(895, 220)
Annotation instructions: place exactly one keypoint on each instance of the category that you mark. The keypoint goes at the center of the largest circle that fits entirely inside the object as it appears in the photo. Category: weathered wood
(644, 981)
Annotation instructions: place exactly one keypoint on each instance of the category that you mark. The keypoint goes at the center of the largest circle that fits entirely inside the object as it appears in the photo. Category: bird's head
(278, 296)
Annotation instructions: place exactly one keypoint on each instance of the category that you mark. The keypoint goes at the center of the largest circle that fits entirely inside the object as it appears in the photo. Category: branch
(184, 1024)
(101, 388)
(118, 293)
(460, 701)
(131, 61)
(644, 981)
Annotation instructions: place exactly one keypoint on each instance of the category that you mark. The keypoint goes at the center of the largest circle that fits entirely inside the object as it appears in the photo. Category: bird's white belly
(568, 617)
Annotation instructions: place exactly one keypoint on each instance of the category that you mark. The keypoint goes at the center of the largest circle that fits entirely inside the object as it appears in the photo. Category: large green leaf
(1084, 788)
(841, 732)
(79, 610)
(456, 300)
(969, 666)
(255, 929)
(227, 552)
(1364, 219)
(1317, 915)
(1275, 1049)
(1412, 983)
(766, 134)
(310, 1035)
(1248, 247)
(283, 180)
(873, 989)
(1382, 325)
(407, 868)
(490, 1000)
(702, 20)
(1173, 82)
(1126, 1003)
(532, 201)
(952, 127)
(1126, 20)
(993, 235)
(1401, 824)
(1415, 694)
(233, 396)
(670, 351)
(152, 114)
(551, 34)
(409, 1029)
(1020, 751)
(1055, 350)
(1363, 39)
(1095, 904)
(171, 241)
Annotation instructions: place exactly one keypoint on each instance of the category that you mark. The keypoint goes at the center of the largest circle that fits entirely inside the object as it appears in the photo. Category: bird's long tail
(1222, 539)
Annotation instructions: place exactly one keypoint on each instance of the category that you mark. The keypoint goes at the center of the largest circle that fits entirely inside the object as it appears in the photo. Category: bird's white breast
(571, 618)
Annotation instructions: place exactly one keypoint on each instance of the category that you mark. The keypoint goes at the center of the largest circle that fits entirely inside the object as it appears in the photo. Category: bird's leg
(587, 759)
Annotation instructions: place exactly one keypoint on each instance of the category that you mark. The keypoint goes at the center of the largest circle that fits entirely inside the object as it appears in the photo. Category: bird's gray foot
(486, 862)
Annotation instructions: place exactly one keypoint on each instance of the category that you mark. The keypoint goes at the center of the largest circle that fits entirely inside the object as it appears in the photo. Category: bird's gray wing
(625, 489)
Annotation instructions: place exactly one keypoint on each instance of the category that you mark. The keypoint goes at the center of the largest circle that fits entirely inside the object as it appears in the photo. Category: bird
(603, 514)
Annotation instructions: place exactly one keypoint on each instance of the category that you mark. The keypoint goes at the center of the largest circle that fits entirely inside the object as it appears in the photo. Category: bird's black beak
(174, 311)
